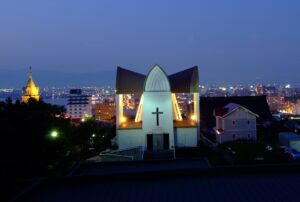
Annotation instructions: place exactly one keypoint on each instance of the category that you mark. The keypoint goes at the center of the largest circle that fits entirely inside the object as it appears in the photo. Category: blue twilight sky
(80, 42)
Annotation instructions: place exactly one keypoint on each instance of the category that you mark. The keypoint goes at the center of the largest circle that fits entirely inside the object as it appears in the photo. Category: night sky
(82, 42)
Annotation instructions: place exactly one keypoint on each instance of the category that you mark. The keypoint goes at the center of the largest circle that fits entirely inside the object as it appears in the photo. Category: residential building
(290, 140)
(234, 122)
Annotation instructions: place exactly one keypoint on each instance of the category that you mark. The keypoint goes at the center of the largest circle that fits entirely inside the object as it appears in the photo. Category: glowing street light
(123, 119)
(54, 134)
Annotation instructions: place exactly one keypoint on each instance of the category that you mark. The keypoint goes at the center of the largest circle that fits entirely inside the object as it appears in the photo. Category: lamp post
(54, 134)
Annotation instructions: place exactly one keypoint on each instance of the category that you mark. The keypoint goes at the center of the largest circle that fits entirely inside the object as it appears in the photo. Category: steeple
(31, 90)
(30, 72)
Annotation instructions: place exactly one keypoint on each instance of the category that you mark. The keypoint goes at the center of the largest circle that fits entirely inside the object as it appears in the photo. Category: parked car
(293, 153)
(269, 148)
(229, 149)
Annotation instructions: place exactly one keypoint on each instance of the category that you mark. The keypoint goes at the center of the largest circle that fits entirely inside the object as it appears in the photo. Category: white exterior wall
(240, 124)
(186, 137)
(119, 109)
(130, 138)
(238, 120)
(163, 101)
(197, 113)
(236, 135)
(219, 123)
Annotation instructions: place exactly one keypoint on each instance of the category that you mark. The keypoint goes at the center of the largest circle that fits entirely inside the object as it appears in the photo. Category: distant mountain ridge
(17, 78)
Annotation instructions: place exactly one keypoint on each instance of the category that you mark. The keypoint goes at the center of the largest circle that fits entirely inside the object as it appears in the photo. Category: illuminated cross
(157, 115)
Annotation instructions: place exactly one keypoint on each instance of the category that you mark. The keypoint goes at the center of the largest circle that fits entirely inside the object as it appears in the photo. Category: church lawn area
(249, 152)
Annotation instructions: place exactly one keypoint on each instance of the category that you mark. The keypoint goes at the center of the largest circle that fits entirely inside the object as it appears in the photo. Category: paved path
(139, 166)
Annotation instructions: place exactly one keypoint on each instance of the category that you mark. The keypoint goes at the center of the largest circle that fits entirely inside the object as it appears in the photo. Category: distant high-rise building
(31, 90)
(79, 105)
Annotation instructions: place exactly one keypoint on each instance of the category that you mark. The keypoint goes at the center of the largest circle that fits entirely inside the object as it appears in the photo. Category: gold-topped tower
(31, 90)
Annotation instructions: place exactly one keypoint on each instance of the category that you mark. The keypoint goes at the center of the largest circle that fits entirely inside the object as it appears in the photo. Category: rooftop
(130, 82)
(186, 181)
(256, 104)
(229, 108)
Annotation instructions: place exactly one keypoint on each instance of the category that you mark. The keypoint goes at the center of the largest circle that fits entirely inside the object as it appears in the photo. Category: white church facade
(158, 124)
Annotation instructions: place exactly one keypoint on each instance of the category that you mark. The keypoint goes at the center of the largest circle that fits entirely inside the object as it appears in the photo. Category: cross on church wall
(157, 115)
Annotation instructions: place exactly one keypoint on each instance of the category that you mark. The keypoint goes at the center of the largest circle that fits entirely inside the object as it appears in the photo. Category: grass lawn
(214, 156)
(248, 152)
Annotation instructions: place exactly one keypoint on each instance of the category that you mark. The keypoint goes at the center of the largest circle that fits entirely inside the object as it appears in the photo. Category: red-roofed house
(234, 122)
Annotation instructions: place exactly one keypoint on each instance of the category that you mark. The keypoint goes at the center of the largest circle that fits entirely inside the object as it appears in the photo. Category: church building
(31, 90)
(158, 123)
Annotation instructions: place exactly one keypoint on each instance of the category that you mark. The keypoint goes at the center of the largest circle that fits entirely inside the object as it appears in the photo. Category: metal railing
(136, 153)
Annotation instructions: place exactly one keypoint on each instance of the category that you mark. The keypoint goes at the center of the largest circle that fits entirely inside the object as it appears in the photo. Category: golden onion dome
(31, 90)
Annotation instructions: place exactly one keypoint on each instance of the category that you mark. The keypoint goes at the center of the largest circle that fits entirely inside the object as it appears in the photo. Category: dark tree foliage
(25, 128)
(27, 148)
(90, 138)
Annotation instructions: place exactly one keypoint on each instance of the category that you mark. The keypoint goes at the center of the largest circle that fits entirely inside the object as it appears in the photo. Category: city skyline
(72, 42)
(57, 78)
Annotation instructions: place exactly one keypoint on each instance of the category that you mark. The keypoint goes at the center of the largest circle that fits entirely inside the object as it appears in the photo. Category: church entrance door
(158, 142)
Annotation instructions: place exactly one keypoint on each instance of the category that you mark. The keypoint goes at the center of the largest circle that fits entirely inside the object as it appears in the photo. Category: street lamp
(54, 134)
(123, 119)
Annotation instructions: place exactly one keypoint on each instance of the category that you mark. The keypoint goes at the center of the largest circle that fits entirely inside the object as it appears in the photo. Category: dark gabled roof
(256, 104)
(130, 82)
(185, 81)
(220, 111)
(228, 109)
